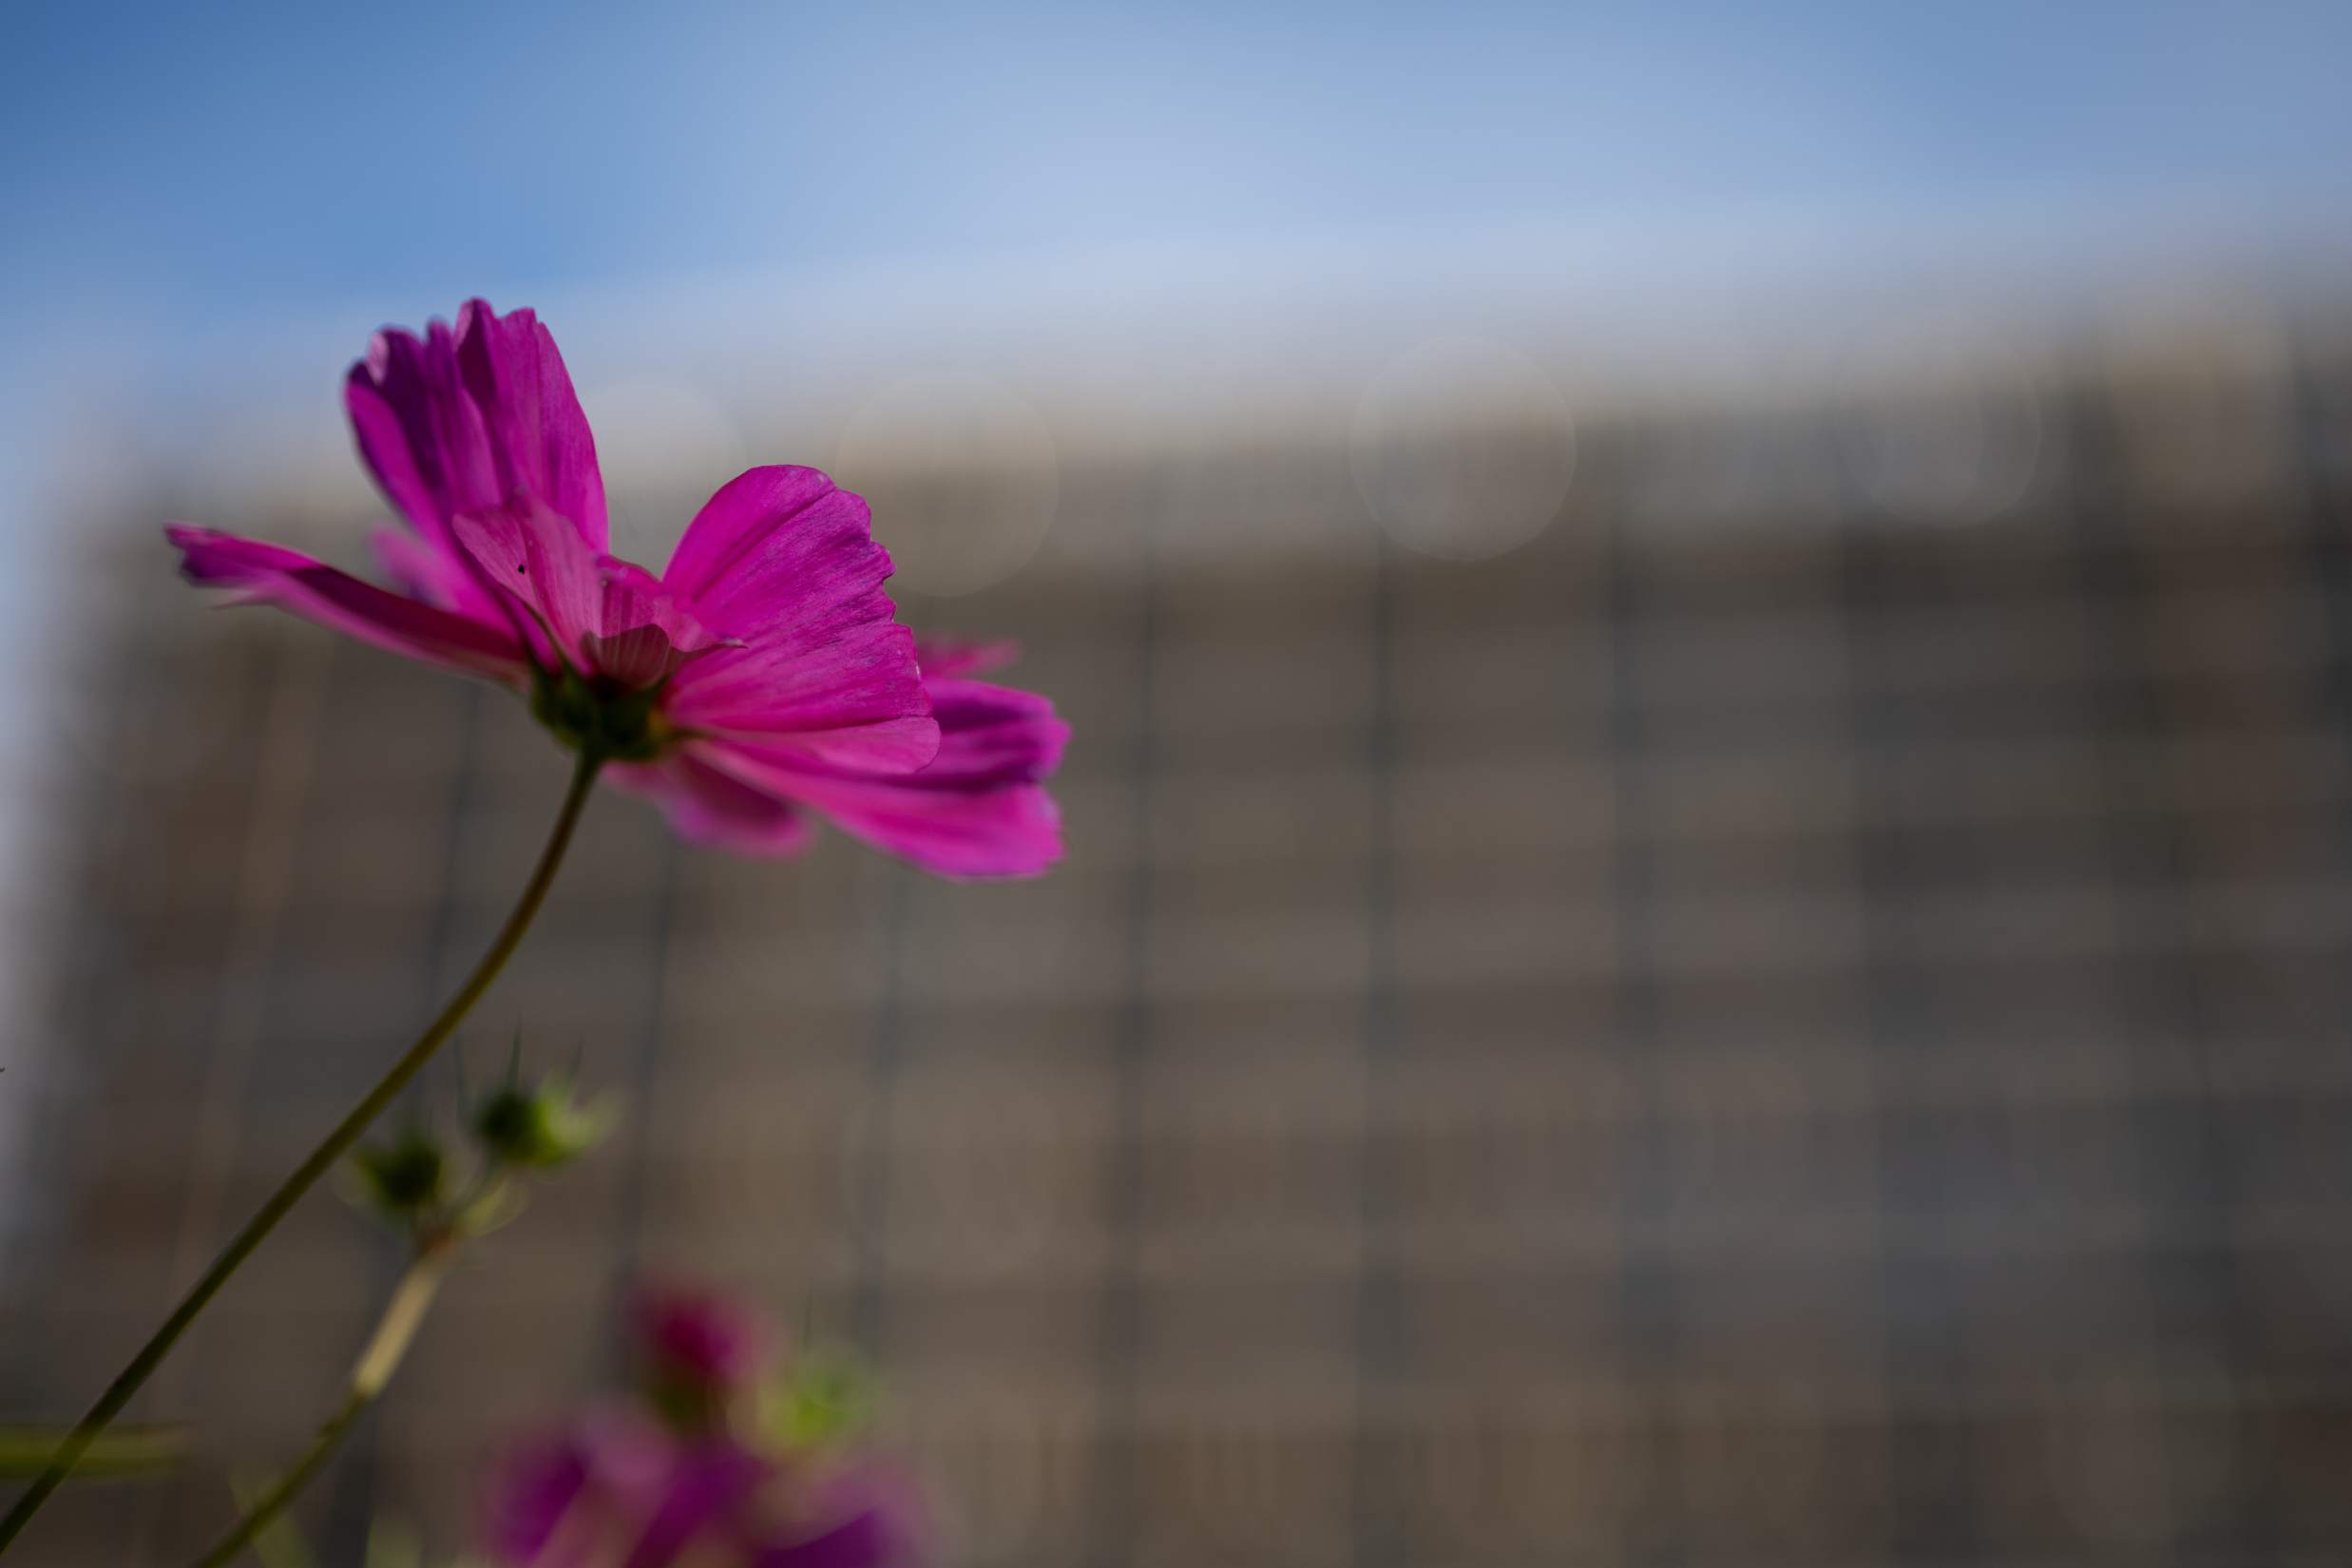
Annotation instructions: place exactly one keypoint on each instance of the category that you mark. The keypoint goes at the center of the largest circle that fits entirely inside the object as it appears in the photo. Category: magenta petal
(944, 657)
(709, 807)
(1000, 830)
(468, 420)
(634, 597)
(876, 1519)
(704, 1488)
(530, 1496)
(420, 435)
(758, 532)
(269, 574)
(536, 558)
(423, 570)
(539, 437)
(866, 1541)
(888, 746)
(645, 632)
(1007, 830)
(785, 562)
(978, 809)
(606, 614)
(703, 1337)
(991, 734)
(581, 1498)
(638, 657)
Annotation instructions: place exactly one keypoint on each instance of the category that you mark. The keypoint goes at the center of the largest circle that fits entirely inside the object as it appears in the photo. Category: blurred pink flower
(763, 670)
(699, 1472)
(621, 1491)
(702, 1338)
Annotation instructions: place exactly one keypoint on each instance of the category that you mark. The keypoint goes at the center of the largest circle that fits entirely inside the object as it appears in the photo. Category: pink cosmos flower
(703, 1338)
(762, 675)
(617, 1491)
(691, 1474)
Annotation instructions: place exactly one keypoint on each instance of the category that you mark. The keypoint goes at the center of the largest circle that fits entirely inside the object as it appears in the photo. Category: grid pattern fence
(1761, 1035)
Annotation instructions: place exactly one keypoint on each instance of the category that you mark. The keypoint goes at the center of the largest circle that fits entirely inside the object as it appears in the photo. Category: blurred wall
(1750, 977)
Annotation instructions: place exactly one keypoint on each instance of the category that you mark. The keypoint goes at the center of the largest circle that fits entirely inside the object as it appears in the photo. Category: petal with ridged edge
(785, 562)
(469, 419)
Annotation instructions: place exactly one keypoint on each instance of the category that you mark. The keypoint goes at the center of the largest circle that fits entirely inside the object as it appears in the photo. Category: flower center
(598, 714)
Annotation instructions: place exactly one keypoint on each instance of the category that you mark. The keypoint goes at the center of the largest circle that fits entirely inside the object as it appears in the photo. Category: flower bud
(701, 1354)
(405, 1177)
(540, 1128)
(822, 1400)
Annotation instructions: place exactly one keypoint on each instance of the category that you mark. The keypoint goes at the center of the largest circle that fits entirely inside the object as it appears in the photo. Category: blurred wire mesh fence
(1789, 1009)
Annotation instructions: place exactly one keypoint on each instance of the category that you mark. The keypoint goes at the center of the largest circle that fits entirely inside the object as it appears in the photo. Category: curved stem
(320, 1160)
(373, 1369)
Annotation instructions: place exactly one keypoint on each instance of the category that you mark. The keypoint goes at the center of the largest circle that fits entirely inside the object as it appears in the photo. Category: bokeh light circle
(1944, 425)
(1462, 449)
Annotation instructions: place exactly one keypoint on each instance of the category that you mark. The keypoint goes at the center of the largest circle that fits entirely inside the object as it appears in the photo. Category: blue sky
(179, 182)
(230, 158)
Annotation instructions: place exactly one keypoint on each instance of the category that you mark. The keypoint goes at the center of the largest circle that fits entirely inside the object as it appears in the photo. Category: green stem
(320, 1161)
(373, 1369)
